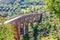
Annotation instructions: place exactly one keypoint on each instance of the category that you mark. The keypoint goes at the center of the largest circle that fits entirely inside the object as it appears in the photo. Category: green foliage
(3, 19)
(6, 32)
(54, 6)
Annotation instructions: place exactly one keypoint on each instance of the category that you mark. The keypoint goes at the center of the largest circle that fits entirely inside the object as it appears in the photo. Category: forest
(48, 28)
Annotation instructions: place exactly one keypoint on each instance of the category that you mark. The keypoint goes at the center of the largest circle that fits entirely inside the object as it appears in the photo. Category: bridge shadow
(26, 37)
(35, 33)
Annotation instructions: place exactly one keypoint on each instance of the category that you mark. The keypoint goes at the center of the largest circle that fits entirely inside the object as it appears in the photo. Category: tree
(54, 6)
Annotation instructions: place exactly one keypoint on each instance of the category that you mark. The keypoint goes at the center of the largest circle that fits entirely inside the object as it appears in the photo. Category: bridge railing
(22, 21)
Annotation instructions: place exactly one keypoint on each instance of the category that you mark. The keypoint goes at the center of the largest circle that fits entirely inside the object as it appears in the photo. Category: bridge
(22, 21)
